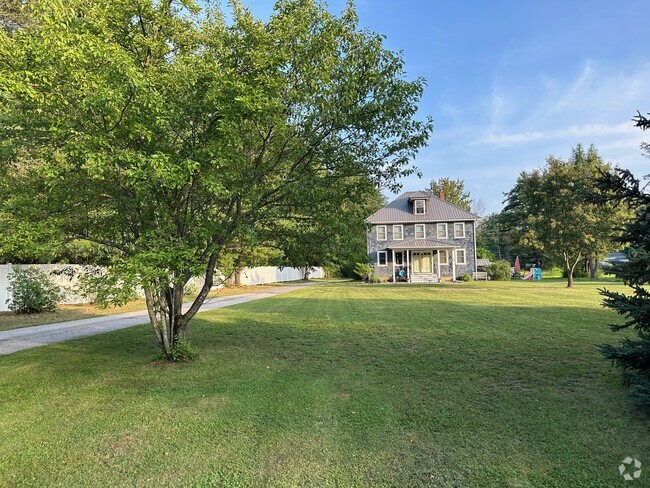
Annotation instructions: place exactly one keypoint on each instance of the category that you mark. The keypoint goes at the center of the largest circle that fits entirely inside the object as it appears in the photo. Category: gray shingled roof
(422, 244)
(401, 210)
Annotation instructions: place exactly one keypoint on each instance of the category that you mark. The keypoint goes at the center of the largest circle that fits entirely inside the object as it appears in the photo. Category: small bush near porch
(480, 384)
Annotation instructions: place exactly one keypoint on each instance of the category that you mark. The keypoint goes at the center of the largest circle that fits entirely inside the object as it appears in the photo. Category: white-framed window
(459, 230)
(398, 232)
(441, 231)
(381, 232)
(419, 231)
(460, 256)
(444, 258)
(382, 258)
(418, 207)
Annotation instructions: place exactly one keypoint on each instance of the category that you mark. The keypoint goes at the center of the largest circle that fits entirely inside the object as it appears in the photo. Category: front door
(422, 262)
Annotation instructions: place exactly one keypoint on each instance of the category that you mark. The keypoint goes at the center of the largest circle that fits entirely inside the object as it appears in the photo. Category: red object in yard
(517, 265)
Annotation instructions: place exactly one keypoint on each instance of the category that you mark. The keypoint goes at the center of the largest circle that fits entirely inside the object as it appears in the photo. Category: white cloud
(525, 116)
(589, 131)
(507, 140)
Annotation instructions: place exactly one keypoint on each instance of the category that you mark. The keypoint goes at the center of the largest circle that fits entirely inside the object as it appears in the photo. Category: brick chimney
(442, 194)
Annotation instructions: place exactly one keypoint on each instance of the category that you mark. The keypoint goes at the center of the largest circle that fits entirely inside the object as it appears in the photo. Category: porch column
(438, 264)
(408, 266)
(393, 265)
(453, 264)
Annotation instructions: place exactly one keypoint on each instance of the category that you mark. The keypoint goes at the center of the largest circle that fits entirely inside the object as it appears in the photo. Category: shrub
(183, 351)
(499, 270)
(347, 271)
(192, 289)
(32, 291)
(332, 271)
(466, 277)
(374, 279)
(578, 272)
(363, 271)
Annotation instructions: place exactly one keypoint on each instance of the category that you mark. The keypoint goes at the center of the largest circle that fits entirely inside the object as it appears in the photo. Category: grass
(479, 384)
(66, 313)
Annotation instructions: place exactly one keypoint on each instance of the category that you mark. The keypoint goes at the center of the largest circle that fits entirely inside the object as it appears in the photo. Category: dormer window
(418, 207)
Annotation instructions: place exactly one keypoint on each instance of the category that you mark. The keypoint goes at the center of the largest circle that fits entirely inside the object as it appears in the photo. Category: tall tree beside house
(14, 15)
(492, 240)
(176, 136)
(477, 206)
(548, 209)
(337, 240)
(453, 190)
(632, 354)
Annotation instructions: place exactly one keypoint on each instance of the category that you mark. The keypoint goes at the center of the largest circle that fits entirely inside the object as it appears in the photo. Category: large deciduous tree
(632, 354)
(493, 238)
(549, 209)
(178, 137)
(452, 190)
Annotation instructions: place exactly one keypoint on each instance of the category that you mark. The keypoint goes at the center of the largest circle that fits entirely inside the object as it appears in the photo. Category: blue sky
(512, 82)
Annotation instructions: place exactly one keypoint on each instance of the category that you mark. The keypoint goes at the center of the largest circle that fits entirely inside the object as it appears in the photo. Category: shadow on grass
(395, 392)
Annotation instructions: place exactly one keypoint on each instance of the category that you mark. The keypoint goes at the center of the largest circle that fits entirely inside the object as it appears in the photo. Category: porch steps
(425, 278)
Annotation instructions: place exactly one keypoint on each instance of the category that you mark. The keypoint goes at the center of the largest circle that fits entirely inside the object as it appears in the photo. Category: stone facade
(467, 243)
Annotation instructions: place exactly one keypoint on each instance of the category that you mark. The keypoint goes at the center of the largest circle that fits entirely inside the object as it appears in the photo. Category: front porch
(422, 261)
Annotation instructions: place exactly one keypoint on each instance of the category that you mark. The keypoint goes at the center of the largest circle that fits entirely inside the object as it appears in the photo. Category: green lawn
(479, 384)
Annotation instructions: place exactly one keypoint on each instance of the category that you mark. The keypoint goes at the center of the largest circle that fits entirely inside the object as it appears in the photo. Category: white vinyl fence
(270, 274)
(67, 277)
(5, 269)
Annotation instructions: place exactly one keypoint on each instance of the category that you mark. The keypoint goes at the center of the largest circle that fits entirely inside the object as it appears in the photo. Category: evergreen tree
(632, 355)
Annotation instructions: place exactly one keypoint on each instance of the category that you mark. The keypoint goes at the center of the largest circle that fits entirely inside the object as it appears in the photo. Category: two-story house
(422, 238)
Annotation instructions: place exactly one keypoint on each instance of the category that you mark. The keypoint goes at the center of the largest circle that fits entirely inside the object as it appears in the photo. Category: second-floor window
(398, 232)
(441, 231)
(381, 232)
(418, 207)
(419, 231)
(459, 230)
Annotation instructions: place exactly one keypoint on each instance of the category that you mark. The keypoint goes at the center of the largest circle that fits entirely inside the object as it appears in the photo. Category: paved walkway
(40, 335)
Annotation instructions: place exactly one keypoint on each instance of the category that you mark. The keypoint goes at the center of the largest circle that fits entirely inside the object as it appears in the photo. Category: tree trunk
(593, 266)
(570, 267)
(160, 318)
(165, 307)
(237, 276)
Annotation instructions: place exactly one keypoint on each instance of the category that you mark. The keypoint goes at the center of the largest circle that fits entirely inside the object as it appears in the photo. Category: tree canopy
(176, 136)
(549, 209)
(453, 190)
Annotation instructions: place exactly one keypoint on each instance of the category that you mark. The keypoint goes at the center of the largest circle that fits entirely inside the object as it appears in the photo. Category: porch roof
(422, 244)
